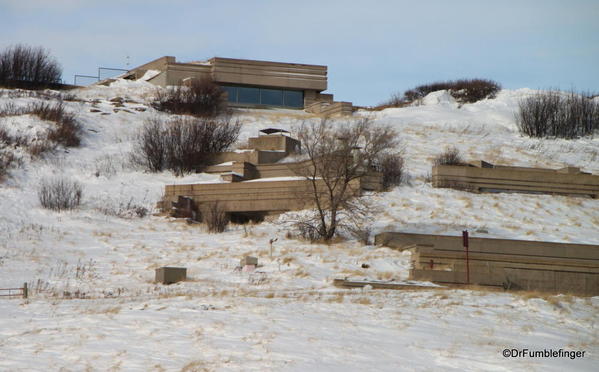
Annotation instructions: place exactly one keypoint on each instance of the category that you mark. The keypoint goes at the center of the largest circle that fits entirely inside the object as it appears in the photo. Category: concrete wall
(311, 78)
(178, 72)
(515, 264)
(271, 74)
(313, 96)
(251, 171)
(254, 157)
(265, 149)
(159, 64)
(272, 196)
(160, 79)
(330, 108)
(489, 178)
(274, 143)
(245, 192)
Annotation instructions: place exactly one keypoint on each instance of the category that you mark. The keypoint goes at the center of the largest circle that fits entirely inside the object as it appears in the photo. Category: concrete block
(248, 260)
(169, 275)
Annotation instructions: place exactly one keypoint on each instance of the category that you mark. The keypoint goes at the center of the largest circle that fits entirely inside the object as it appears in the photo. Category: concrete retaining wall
(274, 143)
(515, 264)
(271, 196)
(265, 73)
(487, 177)
(331, 109)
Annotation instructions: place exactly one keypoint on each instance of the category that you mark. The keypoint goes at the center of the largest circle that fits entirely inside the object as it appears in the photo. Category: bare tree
(25, 63)
(338, 157)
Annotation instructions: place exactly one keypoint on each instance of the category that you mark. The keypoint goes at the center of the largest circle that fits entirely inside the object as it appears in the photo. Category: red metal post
(465, 242)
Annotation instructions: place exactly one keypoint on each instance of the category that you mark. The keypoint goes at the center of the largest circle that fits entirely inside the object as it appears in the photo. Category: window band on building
(264, 96)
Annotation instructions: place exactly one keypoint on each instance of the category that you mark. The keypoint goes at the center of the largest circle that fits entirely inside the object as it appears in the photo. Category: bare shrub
(555, 114)
(215, 217)
(67, 131)
(5, 138)
(60, 193)
(107, 165)
(7, 159)
(451, 156)
(391, 165)
(308, 230)
(463, 90)
(129, 209)
(183, 144)
(150, 149)
(37, 148)
(198, 97)
(47, 110)
(31, 64)
(360, 232)
(396, 100)
(10, 109)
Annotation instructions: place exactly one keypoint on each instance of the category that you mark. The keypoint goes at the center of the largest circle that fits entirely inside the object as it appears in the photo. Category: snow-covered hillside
(94, 303)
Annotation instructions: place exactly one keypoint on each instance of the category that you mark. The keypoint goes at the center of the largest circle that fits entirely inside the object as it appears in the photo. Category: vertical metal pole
(465, 242)
(25, 290)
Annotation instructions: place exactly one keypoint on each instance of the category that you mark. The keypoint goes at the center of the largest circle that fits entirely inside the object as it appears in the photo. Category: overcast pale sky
(372, 48)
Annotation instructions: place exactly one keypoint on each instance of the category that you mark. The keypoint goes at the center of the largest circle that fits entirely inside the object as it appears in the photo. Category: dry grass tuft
(195, 366)
(362, 301)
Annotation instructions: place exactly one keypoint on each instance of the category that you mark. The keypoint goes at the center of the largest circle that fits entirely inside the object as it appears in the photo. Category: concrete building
(250, 83)
(254, 182)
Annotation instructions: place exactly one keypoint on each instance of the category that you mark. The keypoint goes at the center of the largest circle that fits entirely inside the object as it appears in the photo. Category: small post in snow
(465, 242)
(271, 242)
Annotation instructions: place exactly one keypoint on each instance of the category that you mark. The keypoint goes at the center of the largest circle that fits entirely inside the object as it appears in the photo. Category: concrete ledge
(485, 177)
(252, 196)
(331, 108)
(512, 264)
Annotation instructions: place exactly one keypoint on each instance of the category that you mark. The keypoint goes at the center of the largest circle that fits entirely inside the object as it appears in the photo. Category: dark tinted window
(248, 95)
(231, 93)
(271, 97)
(294, 98)
(265, 96)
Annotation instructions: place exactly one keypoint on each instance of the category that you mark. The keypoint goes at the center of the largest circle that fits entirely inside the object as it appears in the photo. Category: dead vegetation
(66, 131)
(60, 193)
(555, 114)
(463, 91)
(451, 156)
(215, 217)
(202, 98)
(391, 165)
(182, 144)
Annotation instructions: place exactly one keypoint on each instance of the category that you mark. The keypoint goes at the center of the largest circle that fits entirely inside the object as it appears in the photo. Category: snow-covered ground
(94, 305)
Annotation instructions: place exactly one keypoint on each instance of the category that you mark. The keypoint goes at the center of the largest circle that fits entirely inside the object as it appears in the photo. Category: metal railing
(103, 73)
(21, 291)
